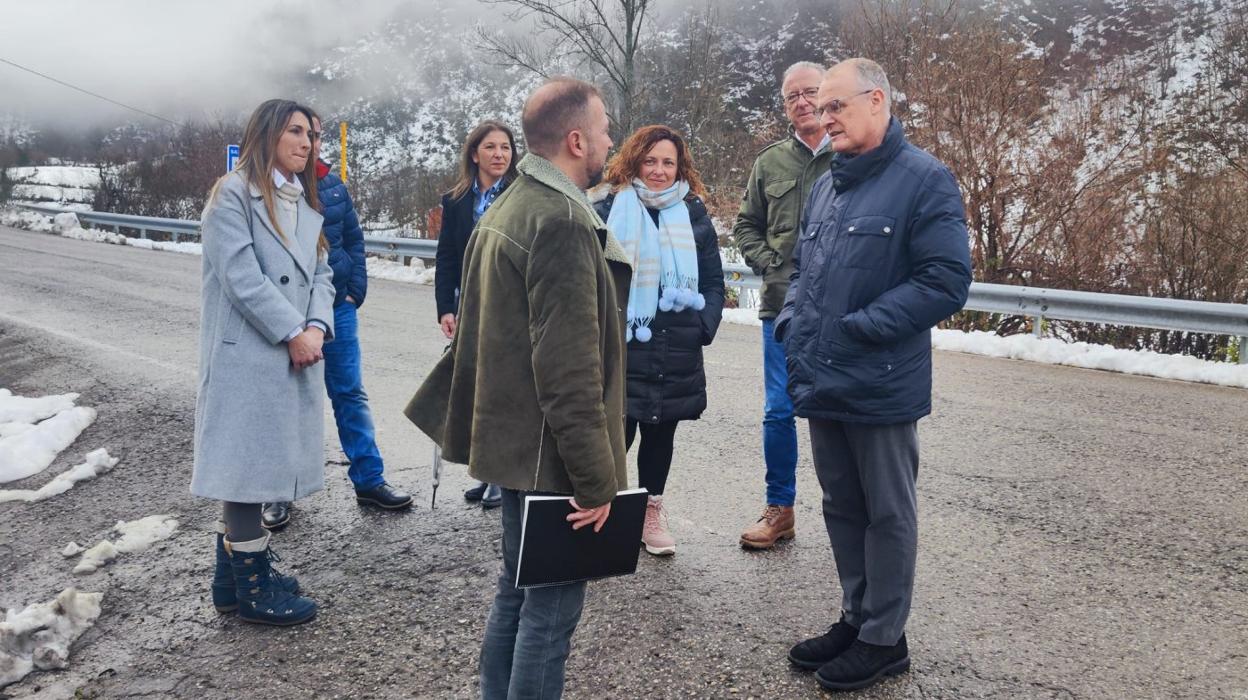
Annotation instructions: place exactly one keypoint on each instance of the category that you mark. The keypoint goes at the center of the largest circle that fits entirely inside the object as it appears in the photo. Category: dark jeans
(868, 475)
(654, 454)
(529, 632)
(779, 426)
(344, 383)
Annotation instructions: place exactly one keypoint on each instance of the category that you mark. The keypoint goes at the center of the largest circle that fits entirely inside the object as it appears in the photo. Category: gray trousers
(868, 475)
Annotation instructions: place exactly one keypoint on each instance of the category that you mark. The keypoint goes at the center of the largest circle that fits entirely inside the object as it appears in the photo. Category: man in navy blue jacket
(343, 377)
(883, 256)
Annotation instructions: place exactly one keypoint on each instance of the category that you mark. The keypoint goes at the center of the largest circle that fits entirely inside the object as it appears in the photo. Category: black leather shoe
(275, 516)
(817, 651)
(863, 665)
(493, 497)
(476, 492)
(384, 496)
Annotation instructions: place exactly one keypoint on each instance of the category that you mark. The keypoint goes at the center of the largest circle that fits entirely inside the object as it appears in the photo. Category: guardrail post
(1037, 326)
(1243, 349)
(173, 236)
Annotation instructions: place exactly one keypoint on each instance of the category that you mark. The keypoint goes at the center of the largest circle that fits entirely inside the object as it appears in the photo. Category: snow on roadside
(380, 268)
(39, 636)
(1090, 356)
(185, 248)
(136, 536)
(31, 451)
(98, 462)
(23, 409)
(27, 220)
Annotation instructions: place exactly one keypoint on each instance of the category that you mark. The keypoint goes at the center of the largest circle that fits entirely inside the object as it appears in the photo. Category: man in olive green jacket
(766, 231)
(531, 392)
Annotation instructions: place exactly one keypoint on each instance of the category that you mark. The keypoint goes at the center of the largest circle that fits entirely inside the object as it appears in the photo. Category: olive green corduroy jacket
(530, 394)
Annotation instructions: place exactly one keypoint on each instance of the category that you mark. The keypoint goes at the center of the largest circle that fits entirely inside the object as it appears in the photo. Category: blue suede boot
(261, 599)
(224, 590)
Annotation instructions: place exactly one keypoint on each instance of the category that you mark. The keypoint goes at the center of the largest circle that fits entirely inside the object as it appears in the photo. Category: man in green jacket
(530, 394)
(766, 230)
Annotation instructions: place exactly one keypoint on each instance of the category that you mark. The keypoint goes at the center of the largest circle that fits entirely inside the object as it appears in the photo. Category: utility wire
(88, 92)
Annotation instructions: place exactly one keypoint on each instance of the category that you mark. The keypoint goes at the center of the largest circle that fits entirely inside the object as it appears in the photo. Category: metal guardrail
(1032, 302)
(174, 227)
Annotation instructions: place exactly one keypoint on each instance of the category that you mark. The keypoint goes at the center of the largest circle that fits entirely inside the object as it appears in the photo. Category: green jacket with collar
(530, 394)
(769, 221)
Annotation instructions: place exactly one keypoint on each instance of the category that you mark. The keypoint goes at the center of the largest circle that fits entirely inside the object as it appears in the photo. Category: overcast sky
(175, 58)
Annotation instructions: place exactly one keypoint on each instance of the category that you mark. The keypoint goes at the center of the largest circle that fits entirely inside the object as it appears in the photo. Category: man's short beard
(593, 178)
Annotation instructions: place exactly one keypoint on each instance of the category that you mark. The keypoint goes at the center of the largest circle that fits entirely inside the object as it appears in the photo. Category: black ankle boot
(224, 590)
(817, 651)
(261, 598)
(864, 664)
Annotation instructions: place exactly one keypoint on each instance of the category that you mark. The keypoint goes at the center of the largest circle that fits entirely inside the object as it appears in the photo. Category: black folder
(552, 553)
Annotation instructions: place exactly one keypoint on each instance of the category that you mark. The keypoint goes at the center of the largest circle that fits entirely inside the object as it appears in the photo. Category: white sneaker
(654, 533)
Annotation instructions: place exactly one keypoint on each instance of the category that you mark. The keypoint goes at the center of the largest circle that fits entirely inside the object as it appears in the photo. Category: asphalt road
(1083, 534)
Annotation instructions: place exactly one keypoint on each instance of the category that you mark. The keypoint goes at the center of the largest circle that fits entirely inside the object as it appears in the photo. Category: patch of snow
(1091, 356)
(94, 235)
(7, 429)
(23, 409)
(39, 636)
(187, 248)
(31, 451)
(98, 462)
(58, 176)
(72, 549)
(380, 268)
(27, 220)
(744, 317)
(136, 536)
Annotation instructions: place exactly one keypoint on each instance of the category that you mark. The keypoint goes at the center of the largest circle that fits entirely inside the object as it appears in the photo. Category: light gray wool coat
(259, 425)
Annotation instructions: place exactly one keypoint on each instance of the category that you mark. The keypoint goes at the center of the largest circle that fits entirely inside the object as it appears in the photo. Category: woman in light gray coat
(267, 308)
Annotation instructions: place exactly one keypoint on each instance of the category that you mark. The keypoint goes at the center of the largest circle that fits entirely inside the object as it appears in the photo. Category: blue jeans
(529, 632)
(779, 427)
(345, 386)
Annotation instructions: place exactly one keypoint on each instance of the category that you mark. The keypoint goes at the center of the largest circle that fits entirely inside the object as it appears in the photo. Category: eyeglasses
(808, 94)
(836, 106)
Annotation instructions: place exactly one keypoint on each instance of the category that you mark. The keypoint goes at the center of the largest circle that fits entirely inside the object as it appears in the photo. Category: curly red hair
(626, 163)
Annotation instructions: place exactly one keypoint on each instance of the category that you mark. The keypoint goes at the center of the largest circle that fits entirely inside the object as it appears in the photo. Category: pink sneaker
(654, 534)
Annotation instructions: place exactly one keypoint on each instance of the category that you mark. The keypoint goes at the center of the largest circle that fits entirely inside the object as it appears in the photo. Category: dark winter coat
(344, 235)
(882, 258)
(531, 393)
(457, 225)
(666, 380)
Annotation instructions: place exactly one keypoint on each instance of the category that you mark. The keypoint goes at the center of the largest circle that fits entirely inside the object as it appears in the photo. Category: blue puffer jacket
(345, 237)
(883, 256)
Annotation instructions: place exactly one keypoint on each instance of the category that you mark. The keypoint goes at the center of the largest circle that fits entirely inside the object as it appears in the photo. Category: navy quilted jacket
(345, 237)
(882, 257)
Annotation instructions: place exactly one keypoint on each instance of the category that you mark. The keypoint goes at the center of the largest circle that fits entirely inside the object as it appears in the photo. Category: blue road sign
(231, 156)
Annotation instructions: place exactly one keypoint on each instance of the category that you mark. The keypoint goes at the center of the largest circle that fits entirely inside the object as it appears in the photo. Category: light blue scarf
(664, 257)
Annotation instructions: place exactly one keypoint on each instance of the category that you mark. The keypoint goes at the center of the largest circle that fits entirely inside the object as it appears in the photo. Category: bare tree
(605, 34)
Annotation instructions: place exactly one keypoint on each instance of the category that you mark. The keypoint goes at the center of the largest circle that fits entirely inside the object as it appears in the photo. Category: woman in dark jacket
(487, 164)
(653, 206)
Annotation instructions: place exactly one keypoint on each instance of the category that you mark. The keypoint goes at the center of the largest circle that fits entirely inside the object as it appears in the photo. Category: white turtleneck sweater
(287, 208)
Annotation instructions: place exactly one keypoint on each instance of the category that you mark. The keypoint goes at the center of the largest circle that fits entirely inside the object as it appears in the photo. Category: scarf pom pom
(665, 304)
(670, 294)
(699, 302)
(628, 335)
(643, 334)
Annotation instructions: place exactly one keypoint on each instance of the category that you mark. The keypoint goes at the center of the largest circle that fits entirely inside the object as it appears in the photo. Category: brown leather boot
(775, 524)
